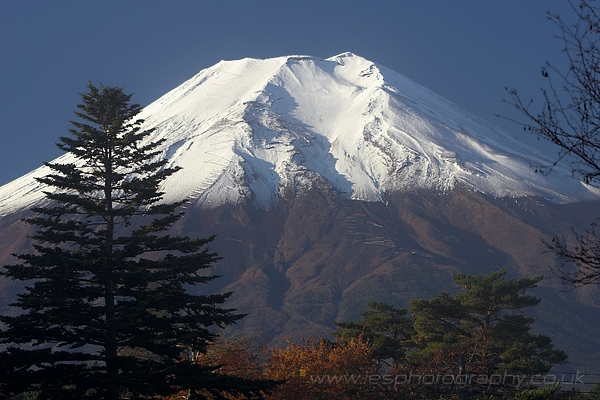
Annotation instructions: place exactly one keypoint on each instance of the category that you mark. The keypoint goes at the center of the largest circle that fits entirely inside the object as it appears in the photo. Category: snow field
(252, 128)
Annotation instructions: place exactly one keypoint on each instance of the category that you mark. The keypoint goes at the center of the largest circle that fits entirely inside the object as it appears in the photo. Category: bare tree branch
(570, 118)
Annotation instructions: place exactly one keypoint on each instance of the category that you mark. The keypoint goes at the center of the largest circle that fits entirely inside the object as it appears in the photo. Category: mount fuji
(333, 182)
(254, 129)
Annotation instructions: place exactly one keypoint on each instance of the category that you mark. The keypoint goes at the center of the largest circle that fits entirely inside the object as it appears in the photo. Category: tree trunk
(112, 367)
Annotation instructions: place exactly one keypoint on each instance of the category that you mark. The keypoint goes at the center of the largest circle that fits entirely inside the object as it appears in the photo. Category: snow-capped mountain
(340, 144)
(251, 129)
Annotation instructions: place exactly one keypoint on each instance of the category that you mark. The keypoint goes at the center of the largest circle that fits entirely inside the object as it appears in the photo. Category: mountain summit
(254, 129)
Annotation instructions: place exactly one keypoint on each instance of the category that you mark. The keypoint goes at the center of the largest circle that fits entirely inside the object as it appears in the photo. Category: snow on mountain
(253, 128)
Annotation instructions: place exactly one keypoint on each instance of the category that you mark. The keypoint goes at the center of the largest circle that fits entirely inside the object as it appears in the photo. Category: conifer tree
(484, 323)
(388, 331)
(106, 314)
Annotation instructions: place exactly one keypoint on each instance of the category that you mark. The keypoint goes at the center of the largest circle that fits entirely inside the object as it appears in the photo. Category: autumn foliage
(321, 369)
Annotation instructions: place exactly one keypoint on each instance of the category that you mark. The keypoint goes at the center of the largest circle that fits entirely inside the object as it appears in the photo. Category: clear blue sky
(464, 50)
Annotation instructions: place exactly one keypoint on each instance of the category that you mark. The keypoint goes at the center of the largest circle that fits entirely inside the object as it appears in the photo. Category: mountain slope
(317, 258)
(254, 128)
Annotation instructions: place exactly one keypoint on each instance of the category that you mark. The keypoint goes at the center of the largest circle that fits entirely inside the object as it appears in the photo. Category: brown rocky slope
(316, 258)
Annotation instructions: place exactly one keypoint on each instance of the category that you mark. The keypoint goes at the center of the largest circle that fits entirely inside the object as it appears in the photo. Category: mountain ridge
(252, 128)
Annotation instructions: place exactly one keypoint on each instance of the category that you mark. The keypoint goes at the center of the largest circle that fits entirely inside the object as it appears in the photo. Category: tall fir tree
(106, 314)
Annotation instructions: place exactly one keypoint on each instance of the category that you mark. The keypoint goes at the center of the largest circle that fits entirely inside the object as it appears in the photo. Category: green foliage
(486, 324)
(483, 325)
(388, 331)
(594, 394)
(106, 313)
(547, 393)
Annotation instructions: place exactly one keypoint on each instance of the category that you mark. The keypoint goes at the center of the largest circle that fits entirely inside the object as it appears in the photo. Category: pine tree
(485, 324)
(388, 331)
(106, 314)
